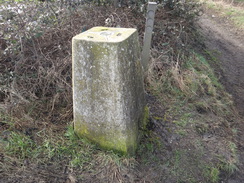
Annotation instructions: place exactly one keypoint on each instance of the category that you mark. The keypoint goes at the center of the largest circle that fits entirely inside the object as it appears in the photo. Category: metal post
(151, 8)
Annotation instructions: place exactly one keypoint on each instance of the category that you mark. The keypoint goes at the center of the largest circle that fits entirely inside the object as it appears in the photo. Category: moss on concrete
(112, 140)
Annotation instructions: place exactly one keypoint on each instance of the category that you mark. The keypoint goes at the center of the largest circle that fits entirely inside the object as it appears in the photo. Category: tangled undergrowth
(185, 99)
(36, 61)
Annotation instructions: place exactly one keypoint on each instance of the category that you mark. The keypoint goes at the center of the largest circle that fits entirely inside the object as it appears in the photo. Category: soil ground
(227, 45)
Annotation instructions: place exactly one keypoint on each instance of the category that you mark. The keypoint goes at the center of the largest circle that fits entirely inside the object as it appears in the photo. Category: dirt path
(227, 44)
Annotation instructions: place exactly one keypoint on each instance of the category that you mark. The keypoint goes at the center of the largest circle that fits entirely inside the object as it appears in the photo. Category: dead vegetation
(36, 64)
(189, 137)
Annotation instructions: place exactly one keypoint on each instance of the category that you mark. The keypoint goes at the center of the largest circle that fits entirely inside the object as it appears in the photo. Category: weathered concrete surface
(108, 93)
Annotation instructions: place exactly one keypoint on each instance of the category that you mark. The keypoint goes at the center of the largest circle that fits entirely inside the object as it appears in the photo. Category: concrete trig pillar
(108, 92)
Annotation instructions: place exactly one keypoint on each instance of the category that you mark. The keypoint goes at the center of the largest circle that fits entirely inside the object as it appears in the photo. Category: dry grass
(231, 11)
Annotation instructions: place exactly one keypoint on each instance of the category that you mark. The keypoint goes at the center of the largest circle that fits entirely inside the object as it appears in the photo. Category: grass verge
(198, 120)
(226, 9)
(64, 152)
